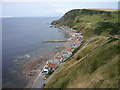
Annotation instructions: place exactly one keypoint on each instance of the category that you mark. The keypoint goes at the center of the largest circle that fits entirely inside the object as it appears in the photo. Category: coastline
(63, 47)
(43, 60)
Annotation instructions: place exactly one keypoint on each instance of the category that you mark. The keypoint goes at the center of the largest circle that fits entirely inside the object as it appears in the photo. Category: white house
(66, 54)
(45, 70)
(78, 37)
(57, 58)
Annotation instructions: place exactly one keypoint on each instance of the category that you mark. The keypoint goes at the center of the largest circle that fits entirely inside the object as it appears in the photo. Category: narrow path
(84, 46)
(77, 62)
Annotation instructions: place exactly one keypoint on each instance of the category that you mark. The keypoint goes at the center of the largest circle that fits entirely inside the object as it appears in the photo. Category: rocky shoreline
(31, 65)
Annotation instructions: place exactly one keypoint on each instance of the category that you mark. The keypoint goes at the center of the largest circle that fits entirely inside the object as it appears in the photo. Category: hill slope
(91, 21)
(96, 66)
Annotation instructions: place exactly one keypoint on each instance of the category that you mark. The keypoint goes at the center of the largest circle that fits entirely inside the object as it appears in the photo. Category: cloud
(61, 4)
(64, 10)
(6, 16)
(60, 0)
(56, 5)
(49, 8)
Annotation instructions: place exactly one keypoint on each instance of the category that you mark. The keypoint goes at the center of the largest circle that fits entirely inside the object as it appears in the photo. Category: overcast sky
(28, 8)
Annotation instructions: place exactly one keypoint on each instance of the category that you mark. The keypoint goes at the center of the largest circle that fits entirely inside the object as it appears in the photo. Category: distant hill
(91, 21)
(96, 66)
(103, 9)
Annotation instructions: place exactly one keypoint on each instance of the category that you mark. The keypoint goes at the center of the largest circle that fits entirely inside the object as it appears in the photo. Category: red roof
(69, 49)
(57, 57)
(51, 65)
(73, 31)
(77, 35)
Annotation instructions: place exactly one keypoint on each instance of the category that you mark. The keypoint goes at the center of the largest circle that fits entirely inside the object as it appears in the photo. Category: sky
(51, 8)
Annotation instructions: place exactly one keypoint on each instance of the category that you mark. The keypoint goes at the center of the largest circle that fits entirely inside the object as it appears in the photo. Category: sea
(22, 39)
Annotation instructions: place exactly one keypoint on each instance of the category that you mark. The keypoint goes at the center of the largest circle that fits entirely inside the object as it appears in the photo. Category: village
(73, 42)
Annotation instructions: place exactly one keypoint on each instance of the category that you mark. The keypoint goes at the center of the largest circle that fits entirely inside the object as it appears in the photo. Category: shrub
(111, 28)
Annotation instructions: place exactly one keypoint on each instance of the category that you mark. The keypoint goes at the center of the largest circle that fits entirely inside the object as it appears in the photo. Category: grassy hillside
(96, 66)
(91, 21)
(103, 9)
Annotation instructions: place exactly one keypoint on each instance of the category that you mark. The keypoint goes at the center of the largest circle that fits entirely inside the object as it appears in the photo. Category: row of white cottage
(72, 43)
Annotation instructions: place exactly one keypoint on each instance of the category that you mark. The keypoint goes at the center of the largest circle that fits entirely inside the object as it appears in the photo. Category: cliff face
(96, 66)
(91, 21)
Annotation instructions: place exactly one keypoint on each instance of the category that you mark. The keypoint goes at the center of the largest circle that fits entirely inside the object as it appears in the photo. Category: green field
(96, 66)
(91, 22)
(98, 69)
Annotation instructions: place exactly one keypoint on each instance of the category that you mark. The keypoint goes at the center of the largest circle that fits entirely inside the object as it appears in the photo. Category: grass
(99, 69)
(96, 66)
(104, 9)
(88, 21)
